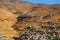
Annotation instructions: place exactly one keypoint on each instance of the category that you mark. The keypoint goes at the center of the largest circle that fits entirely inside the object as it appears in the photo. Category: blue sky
(44, 1)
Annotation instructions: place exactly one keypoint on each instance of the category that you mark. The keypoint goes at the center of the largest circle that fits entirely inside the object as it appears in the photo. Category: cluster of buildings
(3, 37)
(32, 33)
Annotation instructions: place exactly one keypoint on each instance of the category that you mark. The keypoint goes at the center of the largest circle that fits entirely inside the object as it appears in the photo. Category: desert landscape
(20, 20)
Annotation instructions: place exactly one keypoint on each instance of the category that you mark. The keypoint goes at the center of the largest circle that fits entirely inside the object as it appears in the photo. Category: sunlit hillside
(16, 16)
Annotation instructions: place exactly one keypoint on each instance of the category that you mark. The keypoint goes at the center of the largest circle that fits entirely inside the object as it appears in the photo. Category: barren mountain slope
(39, 15)
(17, 15)
(7, 19)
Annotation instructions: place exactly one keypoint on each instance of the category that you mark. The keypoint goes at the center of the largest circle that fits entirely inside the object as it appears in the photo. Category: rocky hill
(16, 15)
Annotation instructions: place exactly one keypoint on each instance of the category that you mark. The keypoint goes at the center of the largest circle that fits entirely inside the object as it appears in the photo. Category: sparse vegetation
(21, 19)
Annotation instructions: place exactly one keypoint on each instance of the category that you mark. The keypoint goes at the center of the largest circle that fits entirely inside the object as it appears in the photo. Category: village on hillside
(21, 20)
